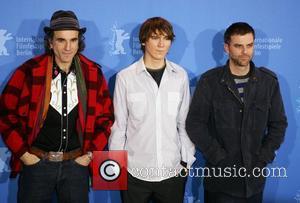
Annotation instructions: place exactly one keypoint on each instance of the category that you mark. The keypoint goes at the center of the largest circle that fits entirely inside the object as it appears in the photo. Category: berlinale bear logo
(116, 43)
(3, 38)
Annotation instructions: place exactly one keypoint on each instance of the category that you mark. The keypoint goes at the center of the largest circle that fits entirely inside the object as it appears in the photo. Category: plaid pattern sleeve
(105, 118)
(99, 115)
(13, 107)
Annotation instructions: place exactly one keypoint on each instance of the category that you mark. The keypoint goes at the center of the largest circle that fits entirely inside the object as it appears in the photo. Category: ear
(226, 48)
(50, 43)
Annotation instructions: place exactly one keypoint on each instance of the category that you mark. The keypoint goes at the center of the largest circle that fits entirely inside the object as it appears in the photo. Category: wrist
(89, 155)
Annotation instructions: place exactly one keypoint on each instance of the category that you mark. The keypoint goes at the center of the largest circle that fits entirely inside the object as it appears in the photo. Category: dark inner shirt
(240, 83)
(156, 74)
(59, 131)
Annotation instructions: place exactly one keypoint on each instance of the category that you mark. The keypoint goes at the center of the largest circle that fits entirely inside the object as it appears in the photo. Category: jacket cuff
(22, 151)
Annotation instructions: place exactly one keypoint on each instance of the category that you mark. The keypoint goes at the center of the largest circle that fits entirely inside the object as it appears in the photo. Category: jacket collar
(226, 77)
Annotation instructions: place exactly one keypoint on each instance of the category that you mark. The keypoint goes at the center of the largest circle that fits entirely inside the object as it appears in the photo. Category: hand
(84, 160)
(29, 159)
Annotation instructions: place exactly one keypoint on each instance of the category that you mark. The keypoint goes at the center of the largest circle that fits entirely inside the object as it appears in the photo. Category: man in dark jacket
(54, 112)
(237, 120)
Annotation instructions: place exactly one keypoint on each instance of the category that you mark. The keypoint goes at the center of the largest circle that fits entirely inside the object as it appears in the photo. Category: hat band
(64, 22)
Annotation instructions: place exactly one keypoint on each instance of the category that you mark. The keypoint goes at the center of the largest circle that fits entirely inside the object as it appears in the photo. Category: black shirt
(59, 129)
(156, 74)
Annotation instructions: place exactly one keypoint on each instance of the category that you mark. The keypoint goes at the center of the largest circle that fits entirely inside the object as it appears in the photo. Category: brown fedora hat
(64, 20)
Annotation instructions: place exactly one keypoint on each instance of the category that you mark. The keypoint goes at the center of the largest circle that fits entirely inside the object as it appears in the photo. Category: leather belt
(55, 156)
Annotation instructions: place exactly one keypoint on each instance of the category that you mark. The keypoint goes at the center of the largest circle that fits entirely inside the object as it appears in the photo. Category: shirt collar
(142, 68)
(57, 70)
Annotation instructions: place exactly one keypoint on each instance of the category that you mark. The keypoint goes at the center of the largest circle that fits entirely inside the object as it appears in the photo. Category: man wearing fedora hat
(54, 112)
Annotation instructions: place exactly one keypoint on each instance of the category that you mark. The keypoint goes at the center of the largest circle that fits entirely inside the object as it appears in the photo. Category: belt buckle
(56, 156)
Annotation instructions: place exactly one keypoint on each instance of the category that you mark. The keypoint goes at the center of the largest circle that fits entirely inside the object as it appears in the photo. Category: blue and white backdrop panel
(112, 41)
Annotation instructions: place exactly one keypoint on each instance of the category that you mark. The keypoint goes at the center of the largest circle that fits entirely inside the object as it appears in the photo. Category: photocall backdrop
(112, 41)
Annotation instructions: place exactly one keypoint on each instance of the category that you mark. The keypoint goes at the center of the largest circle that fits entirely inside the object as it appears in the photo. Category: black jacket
(235, 135)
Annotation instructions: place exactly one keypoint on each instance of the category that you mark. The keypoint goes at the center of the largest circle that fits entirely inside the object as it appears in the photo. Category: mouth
(67, 54)
(244, 58)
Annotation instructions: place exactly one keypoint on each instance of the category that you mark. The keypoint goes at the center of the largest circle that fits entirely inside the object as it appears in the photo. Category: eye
(238, 46)
(250, 45)
(154, 37)
(74, 40)
(59, 40)
(166, 38)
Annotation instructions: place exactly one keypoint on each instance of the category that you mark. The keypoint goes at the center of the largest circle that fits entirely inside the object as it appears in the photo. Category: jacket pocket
(224, 114)
(260, 115)
(137, 104)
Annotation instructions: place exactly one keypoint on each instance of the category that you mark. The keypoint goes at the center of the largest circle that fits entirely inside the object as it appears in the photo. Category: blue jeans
(39, 182)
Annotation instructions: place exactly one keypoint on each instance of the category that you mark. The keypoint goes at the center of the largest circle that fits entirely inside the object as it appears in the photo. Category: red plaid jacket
(20, 104)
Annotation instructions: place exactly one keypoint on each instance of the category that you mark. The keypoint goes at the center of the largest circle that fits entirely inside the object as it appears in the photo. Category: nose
(244, 50)
(161, 42)
(68, 46)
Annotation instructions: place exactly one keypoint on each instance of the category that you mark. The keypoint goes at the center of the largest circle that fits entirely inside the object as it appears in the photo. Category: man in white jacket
(151, 102)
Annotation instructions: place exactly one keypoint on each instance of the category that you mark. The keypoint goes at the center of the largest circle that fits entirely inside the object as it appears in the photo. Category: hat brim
(48, 29)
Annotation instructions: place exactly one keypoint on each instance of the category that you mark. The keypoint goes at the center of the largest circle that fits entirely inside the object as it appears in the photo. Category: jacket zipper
(239, 99)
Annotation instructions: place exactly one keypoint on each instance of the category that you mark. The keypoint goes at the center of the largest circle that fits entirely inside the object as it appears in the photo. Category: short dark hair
(49, 37)
(154, 25)
(238, 28)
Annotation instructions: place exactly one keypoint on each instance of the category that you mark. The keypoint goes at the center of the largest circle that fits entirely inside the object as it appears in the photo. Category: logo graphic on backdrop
(25, 46)
(297, 197)
(110, 170)
(136, 46)
(4, 156)
(267, 44)
(119, 36)
(4, 36)
(28, 46)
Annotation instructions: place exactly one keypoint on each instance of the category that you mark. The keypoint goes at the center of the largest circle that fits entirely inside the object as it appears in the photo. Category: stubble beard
(239, 62)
